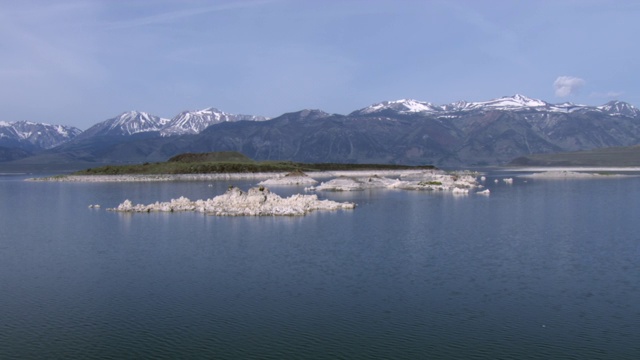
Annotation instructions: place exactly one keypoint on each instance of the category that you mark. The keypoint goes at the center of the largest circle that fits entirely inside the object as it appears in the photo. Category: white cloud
(567, 85)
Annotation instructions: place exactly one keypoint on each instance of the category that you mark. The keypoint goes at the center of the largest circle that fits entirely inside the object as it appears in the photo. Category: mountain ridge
(399, 131)
(194, 121)
(30, 137)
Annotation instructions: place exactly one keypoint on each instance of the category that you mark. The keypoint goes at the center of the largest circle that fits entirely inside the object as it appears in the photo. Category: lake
(538, 269)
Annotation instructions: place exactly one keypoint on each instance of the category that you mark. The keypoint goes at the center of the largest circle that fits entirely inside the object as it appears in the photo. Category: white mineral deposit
(235, 202)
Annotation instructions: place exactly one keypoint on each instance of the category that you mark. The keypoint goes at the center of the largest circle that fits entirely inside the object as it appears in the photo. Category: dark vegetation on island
(626, 156)
(231, 162)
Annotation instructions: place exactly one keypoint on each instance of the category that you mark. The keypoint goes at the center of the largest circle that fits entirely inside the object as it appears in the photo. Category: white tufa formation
(256, 202)
(458, 183)
(293, 178)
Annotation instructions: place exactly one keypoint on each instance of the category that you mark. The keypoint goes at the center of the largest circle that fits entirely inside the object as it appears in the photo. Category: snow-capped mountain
(193, 122)
(7, 131)
(187, 122)
(127, 123)
(619, 108)
(401, 131)
(35, 136)
(403, 106)
(506, 103)
(515, 102)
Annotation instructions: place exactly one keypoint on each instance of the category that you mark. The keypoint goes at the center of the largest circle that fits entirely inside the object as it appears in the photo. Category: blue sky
(81, 62)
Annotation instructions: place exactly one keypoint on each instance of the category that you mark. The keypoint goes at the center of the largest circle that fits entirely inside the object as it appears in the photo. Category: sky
(80, 62)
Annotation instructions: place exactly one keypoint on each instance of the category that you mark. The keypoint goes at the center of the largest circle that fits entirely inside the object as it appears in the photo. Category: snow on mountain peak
(415, 106)
(527, 100)
(194, 121)
(140, 116)
(41, 135)
(128, 123)
(616, 107)
(511, 102)
(187, 122)
(403, 106)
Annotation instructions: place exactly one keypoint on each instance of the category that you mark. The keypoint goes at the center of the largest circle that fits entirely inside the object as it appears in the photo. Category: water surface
(538, 269)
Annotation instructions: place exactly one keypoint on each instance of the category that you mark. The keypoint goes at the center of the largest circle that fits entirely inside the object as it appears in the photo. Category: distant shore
(571, 175)
(218, 176)
(592, 169)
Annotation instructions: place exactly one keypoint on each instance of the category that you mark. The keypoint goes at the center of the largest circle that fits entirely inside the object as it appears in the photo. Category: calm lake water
(539, 269)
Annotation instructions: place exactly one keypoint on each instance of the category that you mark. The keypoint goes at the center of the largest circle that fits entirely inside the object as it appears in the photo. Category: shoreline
(570, 168)
(564, 174)
(222, 176)
(536, 172)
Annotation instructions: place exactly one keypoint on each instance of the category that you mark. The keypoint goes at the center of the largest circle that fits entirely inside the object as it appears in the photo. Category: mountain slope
(107, 141)
(187, 122)
(30, 136)
(127, 123)
(11, 153)
(193, 122)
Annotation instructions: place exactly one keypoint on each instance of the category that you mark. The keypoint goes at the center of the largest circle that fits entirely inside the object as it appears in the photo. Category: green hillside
(229, 162)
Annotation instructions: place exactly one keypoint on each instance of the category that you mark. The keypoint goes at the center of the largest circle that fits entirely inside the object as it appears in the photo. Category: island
(226, 165)
(224, 162)
(258, 201)
(459, 182)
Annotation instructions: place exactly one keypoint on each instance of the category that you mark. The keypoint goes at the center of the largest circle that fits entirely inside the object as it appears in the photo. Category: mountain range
(401, 131)
(23, 138)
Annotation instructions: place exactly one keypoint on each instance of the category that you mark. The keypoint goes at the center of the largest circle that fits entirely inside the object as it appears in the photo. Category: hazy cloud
(607, 95)
(567, 85)
(176, 15)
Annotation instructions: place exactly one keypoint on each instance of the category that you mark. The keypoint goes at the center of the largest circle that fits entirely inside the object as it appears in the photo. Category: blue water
(539, 269)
